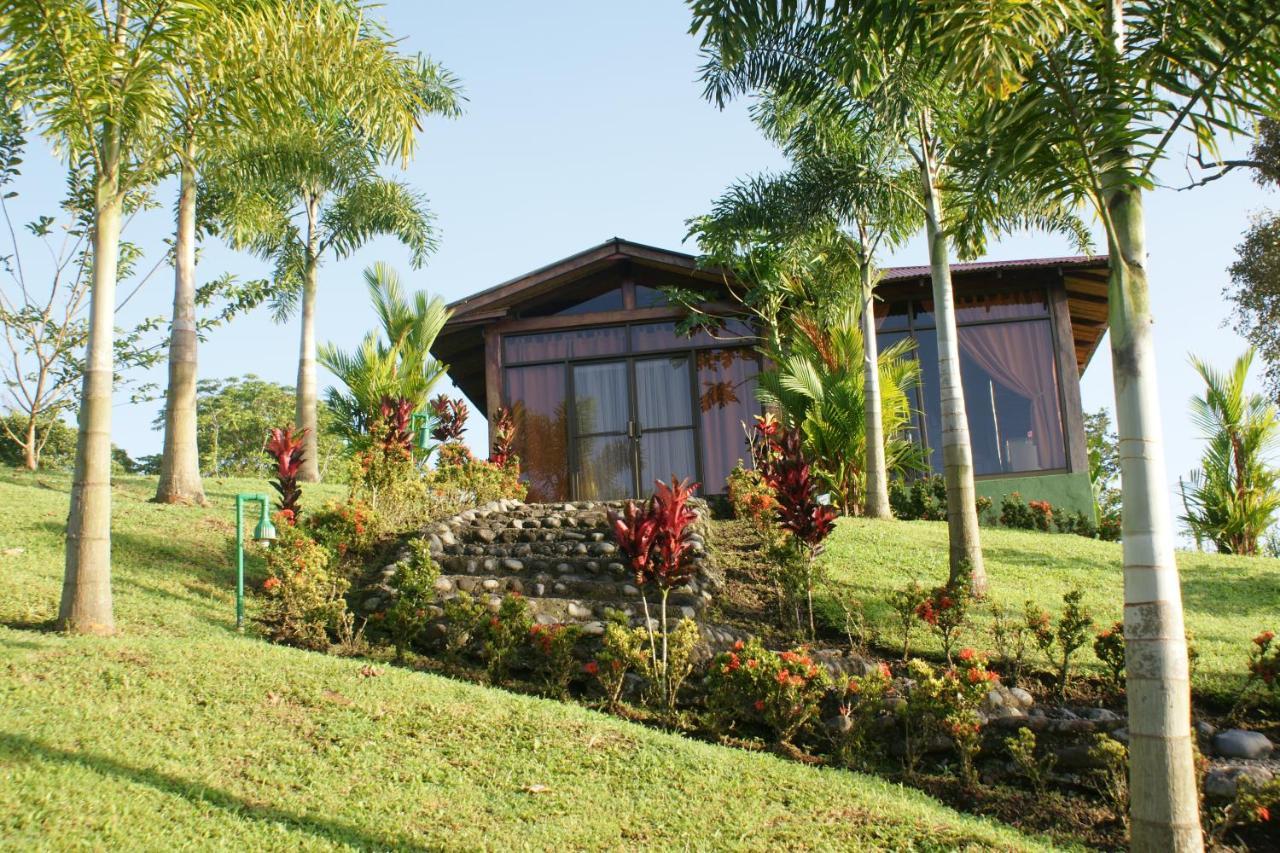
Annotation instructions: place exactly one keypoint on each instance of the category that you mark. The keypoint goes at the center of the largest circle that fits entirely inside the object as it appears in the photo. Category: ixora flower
(591, 667)
(1263, 814)
(270, 584)
(1265, 637)
(966, 654)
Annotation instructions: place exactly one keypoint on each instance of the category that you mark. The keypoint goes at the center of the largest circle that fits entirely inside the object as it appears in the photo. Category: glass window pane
(649, 337)
(650, 297)
(601, 397)
(891, 316)
(663, 396)
(727, 400)
(542, 347)
(1002, 306)
(664, 455)
(604, 468)
(537, 400)
(600, 296)
(605, 340)
(1011, 396)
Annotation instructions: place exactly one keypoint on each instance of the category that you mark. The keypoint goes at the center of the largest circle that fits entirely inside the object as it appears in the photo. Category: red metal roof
(896, 273)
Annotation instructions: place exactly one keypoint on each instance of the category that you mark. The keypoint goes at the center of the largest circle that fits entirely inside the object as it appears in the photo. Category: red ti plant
(780, 457)
(504, 437)
(656, 542)
(395, 425)
(450, 418)
(285, 447)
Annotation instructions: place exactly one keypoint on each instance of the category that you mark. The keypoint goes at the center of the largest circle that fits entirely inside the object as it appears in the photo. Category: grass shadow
(17, 746)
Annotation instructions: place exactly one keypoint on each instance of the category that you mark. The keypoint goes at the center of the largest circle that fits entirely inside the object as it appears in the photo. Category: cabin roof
(461, 342)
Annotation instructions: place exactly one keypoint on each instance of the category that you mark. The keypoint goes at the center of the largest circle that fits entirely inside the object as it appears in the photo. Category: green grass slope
(1228, 599)
(180, 733)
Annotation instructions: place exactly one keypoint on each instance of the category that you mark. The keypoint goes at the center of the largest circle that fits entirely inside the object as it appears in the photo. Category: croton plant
(285, 447)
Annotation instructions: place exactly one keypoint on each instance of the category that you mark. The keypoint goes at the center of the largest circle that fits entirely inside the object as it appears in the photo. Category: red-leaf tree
(450, 418)
(504, 437)
(395, 424)
(286, 448)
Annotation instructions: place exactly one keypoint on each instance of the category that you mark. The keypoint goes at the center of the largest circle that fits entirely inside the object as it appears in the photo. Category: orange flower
(591, 667)
(759, 705)
(270, 584)
(966, 654)
(1263, 813)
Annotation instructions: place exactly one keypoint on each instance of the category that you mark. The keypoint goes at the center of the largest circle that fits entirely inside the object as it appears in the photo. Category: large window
(1008, 368)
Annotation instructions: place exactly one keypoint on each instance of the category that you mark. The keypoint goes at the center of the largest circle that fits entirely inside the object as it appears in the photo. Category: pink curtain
(1020, 356)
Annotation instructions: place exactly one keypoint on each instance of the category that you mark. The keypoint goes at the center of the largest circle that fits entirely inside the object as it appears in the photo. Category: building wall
(1072, 491)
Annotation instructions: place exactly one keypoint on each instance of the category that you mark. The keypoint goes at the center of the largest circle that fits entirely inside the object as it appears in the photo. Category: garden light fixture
(264, 532)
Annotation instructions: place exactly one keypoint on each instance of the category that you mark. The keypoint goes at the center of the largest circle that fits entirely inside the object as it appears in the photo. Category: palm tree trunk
(957, 455)
(306, 393)
(877, 501)
(86, 583)
(1164, 805)
(180, 462)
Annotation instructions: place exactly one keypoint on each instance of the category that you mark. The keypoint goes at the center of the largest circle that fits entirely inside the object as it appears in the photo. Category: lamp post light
(419, 422)
(264, 532)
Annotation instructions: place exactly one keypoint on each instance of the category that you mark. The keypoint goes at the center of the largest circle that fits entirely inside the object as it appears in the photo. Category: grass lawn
(179, 732)
(1228, 600)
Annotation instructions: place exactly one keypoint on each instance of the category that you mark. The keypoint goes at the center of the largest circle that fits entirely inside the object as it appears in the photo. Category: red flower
(966, 654)
(1263, 813)
(759, 705)
(591, 667)
(737, 647)
(752, 663)
(783, 677)
(270, 584)
(975, 675)
(885, 673)
(1265, 637)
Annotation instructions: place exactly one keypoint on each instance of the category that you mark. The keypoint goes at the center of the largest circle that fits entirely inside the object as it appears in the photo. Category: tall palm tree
(244, 71)
(323, 169)
(1235, 496)
(395, 366)
(891, 91)
(851, 181)
(63, 60)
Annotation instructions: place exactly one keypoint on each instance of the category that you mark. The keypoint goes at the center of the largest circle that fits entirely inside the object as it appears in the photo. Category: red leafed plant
(395, 424)
(450, 418)
(504, 437)
(285, 446)
(656, 542)
(779, 456)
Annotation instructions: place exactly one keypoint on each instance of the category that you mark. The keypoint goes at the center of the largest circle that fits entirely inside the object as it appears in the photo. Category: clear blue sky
(585, 120)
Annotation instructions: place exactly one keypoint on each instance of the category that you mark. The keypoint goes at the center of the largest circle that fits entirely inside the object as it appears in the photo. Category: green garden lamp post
(418, 424)
(264, 532)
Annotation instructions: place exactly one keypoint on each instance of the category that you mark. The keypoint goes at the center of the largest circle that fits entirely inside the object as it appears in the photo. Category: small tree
(286, 448)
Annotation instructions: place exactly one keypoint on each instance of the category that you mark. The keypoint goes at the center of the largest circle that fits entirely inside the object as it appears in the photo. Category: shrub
(470, 481)
(1035, 769)
(552, 651)
(666, 677)
(348, 529)
(1059, 643)
(385, 480)
(285, 447)
(1111, 778)
(1264, 670)
(923, 499)
(1251, 804)
(905, 602)
(752, 500)
(946, 702)
(450, 418)
(504, 634)
(1015, 513)
(1108, 645)
(862, 707)
(782, 691)
(501, 452)
(945, 609)
(465, 618)
(621, 651)
(304, 595)
(415, 584)
(1009, 637)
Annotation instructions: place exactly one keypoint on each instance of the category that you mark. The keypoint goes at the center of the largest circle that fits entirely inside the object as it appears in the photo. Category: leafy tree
(64, 61)
(396, 368)
(57, 443)
(234, 417)
(1235, 496)
(1104, 463)
(1255, 275)
(313, 188)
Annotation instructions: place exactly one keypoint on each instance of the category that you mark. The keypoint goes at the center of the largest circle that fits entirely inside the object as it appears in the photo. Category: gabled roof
(461, 342)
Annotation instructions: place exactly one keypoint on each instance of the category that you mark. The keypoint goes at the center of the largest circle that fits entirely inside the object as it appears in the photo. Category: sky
(585, 121)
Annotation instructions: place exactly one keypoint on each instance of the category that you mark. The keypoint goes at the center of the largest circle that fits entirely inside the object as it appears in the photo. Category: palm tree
(323, 169)
(398, 366)
(880, 90)
(855, 183)
(818, 385)
(1235, 496)
(63, 60)
(244, 69)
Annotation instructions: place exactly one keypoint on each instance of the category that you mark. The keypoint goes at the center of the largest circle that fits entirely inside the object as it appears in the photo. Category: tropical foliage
(1234, 497)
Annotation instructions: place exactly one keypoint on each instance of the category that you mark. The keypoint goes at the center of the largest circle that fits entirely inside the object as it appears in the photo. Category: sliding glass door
(633, 423)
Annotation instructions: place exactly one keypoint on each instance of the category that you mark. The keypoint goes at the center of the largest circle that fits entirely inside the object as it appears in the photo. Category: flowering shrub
(905, 602)
(1252, 803)
(752, 500)
(862, 707)
(415, 585)
(923, 499)
(348, 529)
(304, 595)
(470, 481)
(622, 649)
(783, 691)
(1060, 642)
(503, 635)
(504, 438)
(285, 447)
(946, 702)
(1108, 645)
(449, 418)
(392, 427)
(551, 647)
(945, 610)
(1264, 670)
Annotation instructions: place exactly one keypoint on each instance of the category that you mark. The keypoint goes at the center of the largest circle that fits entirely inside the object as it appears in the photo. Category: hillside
(180, 732)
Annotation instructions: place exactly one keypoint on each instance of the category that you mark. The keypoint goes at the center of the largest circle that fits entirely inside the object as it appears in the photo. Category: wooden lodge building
(607, 397)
